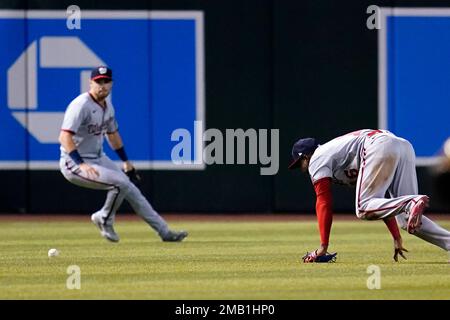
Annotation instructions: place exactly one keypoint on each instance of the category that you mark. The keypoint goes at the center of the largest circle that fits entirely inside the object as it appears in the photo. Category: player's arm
(391, 224)
(65, 138)
(324, 211)
(116, 143)
(66, 141)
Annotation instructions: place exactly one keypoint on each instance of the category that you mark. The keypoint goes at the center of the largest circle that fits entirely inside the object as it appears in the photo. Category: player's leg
(109, 180)
(145, 210)
(405, 183)
(119, 187)
(429, 231)
(379, 160)
(142, 206)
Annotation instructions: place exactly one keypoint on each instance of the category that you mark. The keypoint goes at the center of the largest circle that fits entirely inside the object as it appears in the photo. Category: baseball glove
(312, 257)
(134, 176)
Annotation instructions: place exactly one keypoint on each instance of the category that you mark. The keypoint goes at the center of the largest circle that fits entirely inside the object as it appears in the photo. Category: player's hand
(311, 257)
(89, 171)
(127, 166)
(322, 250)
(399, 249)
(320, 255)
(134, 177)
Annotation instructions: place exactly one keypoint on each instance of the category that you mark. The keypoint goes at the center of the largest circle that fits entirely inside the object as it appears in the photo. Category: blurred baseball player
(87, 120)
(377, 162)
(440, 175)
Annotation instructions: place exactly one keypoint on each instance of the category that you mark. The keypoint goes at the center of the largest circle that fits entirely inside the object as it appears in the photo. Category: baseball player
(440, 174)
(378, 163)
(87, 120)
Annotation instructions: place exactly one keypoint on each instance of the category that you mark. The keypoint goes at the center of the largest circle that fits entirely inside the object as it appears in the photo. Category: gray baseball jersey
(88, 122)
(339, 158)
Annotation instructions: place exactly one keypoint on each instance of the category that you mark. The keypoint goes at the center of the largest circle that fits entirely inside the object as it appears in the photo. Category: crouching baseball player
(87, 120)
(377, 162)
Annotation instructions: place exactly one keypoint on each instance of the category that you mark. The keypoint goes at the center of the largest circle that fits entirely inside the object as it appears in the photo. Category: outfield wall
(307, 68)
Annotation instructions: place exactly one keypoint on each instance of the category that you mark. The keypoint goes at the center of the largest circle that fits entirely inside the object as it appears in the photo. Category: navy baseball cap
(101, 72)
(300, 148)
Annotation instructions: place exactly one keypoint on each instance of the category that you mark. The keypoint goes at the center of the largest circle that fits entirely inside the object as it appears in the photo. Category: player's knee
(128, 187)
(360, 214)
(122, 184)
(365, 215)
(368, 216)
(125, 184)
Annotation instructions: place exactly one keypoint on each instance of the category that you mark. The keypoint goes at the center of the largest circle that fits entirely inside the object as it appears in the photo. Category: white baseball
(53, 252)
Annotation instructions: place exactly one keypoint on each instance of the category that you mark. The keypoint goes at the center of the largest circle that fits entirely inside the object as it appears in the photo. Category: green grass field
(219, 260)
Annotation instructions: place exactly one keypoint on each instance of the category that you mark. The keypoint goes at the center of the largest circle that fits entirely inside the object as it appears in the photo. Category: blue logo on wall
(158, 63)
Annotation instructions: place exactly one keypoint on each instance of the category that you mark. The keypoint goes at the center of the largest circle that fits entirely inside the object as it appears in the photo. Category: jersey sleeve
(73, 118)
(112, 125)
(320, 168)
(324, 210)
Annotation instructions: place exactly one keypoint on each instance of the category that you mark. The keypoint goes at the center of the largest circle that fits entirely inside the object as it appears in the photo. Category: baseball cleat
(106, 231)
(174, 236)
(415, 215)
